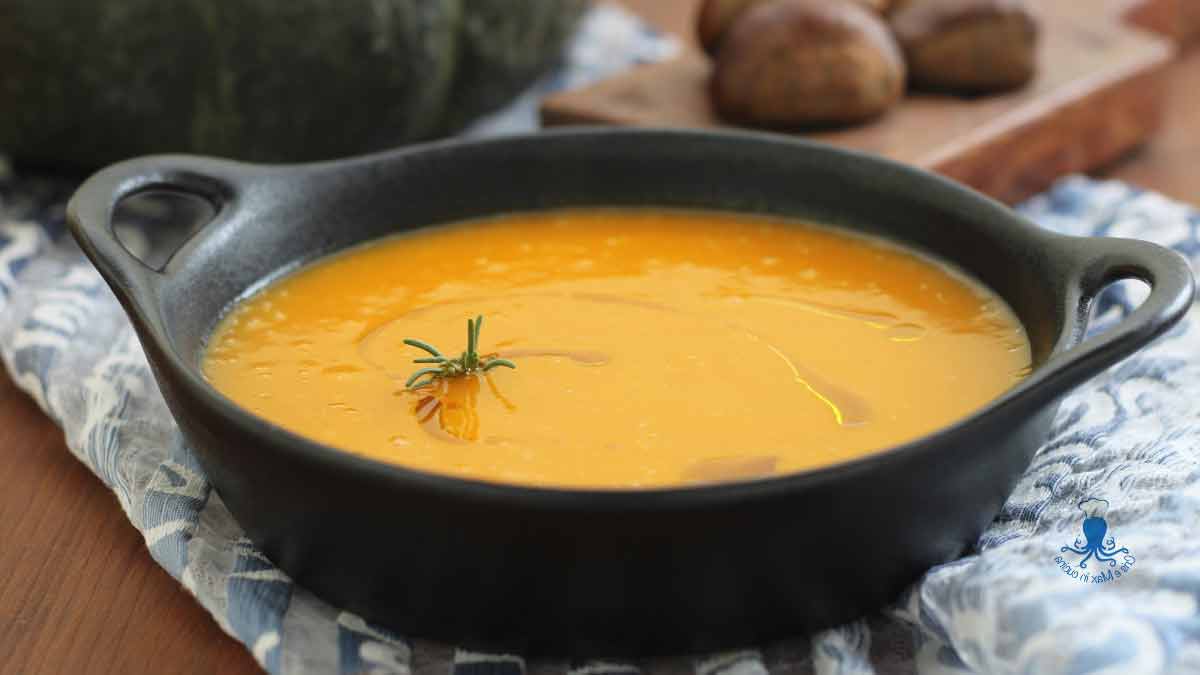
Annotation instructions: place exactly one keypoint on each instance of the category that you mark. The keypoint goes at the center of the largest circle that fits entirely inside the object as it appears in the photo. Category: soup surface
(652, 347)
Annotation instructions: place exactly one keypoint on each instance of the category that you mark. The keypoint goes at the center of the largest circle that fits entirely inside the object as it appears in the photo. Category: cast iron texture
(609, 572)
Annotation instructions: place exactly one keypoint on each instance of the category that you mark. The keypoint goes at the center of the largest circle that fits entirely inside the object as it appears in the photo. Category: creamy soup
(651, 347)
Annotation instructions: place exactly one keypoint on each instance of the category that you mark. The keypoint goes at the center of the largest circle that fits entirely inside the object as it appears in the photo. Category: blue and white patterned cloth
(1130, 437)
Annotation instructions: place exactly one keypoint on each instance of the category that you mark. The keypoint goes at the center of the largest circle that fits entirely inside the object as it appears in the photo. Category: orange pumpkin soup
(652, 348)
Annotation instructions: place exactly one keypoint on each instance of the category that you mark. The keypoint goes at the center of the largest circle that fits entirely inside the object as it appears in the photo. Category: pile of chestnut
(793, 63)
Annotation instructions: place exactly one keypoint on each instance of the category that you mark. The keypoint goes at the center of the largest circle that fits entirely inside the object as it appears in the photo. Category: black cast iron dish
(608, 571)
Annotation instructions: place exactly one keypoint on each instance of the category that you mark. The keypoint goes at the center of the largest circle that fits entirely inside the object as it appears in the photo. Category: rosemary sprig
(468, 362)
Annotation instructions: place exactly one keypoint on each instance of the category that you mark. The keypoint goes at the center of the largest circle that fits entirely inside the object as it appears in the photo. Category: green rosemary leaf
(422, 345)
(430, 379)
(417, 375)
(467, 363)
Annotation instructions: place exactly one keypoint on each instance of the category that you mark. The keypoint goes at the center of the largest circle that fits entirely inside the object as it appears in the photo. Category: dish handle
(1099, 262)
(90, 210)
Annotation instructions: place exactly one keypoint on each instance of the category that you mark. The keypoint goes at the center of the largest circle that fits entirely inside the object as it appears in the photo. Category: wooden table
(78, 590)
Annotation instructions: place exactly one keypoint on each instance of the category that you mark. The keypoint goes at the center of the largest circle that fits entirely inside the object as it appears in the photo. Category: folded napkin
(1125, 449)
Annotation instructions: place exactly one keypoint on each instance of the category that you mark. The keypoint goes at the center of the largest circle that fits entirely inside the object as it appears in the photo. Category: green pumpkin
(88, 83)
(503, 50)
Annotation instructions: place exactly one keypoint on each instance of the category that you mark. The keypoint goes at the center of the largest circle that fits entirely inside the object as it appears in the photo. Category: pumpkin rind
(502, 50)
(88, 83)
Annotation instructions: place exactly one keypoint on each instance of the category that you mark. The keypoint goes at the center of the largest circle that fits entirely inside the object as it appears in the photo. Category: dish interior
(652, 347)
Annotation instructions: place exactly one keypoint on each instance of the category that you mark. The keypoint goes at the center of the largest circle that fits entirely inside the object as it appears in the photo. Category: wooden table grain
(78, 590)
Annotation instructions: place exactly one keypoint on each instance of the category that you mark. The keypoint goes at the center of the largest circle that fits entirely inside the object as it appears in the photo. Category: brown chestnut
(716, 16)
(967, 46)
(788, 63)
(880, 6)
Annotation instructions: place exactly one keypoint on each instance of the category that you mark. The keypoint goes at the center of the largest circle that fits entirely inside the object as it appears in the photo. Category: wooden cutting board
(1097, 95)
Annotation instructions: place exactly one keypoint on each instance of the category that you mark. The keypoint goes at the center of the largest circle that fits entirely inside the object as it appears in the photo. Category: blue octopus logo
(1095, 527)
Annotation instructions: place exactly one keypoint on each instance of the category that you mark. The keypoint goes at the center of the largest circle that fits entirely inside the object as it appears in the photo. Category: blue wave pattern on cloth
(1131, 436)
